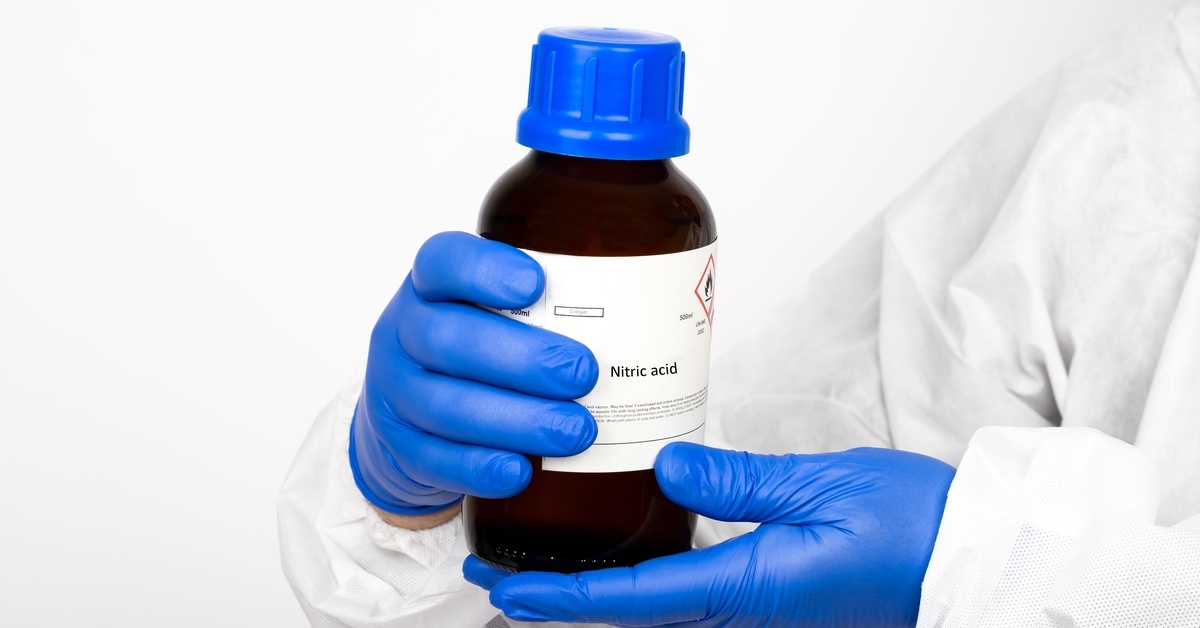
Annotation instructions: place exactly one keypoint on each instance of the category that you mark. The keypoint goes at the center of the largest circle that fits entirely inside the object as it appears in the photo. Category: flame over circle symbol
(706, 286)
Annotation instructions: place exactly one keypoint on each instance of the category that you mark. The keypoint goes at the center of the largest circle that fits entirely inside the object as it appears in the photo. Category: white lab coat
(1042, 278)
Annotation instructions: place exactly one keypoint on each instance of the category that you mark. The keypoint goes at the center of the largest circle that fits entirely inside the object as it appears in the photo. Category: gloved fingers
(482, 574)
(472, 413)
(432, 461)
(740, 486)
(684, 587)
(472, 343)
(456, 266)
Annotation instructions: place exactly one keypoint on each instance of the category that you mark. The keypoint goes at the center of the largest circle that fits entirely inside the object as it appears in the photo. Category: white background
(203, 207)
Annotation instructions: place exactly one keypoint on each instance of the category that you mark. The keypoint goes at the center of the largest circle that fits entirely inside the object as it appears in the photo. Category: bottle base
(519, 550)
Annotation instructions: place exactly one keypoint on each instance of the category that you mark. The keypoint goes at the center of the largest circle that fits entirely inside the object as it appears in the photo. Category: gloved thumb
(740, 486)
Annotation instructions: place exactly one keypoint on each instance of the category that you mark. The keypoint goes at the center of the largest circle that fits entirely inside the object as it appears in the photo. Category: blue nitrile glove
(455, 394)
(844, 541)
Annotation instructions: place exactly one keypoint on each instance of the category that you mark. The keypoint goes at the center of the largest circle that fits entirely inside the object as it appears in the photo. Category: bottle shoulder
(580, 206)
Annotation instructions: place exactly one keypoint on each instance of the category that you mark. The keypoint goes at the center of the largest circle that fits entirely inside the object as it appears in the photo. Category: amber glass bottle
(597, 190)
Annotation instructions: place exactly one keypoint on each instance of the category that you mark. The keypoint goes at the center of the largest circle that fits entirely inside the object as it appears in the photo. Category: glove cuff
(394, 506)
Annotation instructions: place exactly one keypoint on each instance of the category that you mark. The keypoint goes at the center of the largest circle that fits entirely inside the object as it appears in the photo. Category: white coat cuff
(428, 547)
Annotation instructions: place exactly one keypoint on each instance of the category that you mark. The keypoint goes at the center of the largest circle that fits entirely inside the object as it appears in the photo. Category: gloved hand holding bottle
(455, 395)
(844, 541)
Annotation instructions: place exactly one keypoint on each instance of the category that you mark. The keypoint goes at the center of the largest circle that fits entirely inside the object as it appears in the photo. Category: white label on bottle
(648, 320)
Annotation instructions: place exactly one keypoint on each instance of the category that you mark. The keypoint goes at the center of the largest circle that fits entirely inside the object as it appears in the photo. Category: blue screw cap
(605, 93)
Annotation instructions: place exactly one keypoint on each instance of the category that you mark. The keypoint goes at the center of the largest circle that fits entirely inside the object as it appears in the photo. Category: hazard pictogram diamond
(706, 290)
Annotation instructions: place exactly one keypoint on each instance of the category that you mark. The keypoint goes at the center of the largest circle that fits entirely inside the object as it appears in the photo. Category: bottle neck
(626, 172)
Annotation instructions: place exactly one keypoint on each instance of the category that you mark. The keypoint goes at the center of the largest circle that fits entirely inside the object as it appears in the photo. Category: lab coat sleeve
(1056, 527)
(349, 568)
(1040, 311)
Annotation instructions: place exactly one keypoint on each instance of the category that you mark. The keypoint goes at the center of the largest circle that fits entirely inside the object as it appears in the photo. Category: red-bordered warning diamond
(706, 290)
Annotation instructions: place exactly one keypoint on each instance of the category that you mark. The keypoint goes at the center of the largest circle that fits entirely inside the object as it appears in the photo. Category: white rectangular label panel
(648, 320)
